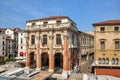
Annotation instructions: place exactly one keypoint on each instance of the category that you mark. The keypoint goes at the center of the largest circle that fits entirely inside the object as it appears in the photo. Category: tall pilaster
(38, 62)
(51, 56)
(27, 52)
(66, 63)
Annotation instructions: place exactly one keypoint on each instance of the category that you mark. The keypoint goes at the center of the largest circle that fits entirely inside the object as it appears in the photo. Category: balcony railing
(41, 27)
(57, 46)
(32, 46)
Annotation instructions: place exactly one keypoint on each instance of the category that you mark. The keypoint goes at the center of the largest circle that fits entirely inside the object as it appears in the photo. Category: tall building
(2, 43)
(107, 48)
(12, 41)
(21, 44)
(52, 42)
(86, 47)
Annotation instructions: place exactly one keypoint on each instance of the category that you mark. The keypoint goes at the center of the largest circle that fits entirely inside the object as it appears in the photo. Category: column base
(38, 69)
(65, 74)
(27, 67)
(51, 70)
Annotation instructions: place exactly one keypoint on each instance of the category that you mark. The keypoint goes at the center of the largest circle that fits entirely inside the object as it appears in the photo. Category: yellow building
(107, 48)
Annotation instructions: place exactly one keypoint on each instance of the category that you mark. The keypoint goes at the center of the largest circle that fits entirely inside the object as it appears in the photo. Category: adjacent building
(21, 44)
(52, 42)
(107, 48)
(9, 42)
(86, 47)
(2, 43)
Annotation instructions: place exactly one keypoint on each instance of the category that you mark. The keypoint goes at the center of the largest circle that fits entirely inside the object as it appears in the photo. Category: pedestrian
(78, 69)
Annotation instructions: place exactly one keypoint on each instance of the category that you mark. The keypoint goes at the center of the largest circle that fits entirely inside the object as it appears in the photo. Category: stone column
(38, 63)
(66, 63)
(27, 53)
(51, 56)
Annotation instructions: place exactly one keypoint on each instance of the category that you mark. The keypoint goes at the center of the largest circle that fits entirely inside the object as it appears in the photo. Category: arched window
(117, 61)
(107, 61)
(99, 61)
(113, 61)
(103, 61)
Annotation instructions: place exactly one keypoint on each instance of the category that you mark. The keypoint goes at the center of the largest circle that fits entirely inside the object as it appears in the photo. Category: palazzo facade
(107, 48)
(52, 42)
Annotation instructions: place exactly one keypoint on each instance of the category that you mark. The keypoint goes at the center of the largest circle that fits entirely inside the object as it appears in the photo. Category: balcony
(73, 46)
(32, 46)
(45, 46)
(58, 46)
(50, 26)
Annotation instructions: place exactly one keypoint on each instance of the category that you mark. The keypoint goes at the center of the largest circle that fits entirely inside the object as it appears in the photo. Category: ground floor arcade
(57, 61)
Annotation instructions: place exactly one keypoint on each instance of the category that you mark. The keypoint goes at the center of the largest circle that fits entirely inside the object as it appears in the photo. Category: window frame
(102, 29)
(117, 46)
(116, 28)
(32, 39)
(58, 39)
(102, 46)
(45, 39)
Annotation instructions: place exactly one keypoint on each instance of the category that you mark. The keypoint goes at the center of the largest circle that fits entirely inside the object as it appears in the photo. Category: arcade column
(66, 63)
(38, 60)
(51, 56)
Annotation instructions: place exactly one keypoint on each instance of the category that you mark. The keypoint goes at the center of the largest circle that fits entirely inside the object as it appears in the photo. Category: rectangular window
(21, 41)
(45, 24)
(116, 28)
(117, 45)
(3, 53)
(21, 47)
(73, 39)
(102, 45)
(58, 23)
(3, 48)
(45, 39)
(58, 38)
(33, 24)
(32, 39)
(3, 43)
(102, 29)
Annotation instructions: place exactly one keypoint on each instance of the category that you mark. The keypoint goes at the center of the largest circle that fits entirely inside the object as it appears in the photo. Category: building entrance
(58, 62)
(32, 60)
(45, 61)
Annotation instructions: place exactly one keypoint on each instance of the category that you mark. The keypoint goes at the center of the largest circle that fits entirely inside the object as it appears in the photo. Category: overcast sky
(15, 13)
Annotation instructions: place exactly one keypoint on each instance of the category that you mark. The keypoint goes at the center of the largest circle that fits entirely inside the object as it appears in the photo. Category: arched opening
(45, 61)
(58, 62)
(32, 60)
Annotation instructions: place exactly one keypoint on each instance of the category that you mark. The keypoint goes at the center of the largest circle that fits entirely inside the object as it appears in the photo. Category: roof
(108, 22)
(50, 18)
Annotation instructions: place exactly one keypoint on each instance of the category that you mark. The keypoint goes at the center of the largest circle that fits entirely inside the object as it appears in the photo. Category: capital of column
(65, 37)
(51, 37)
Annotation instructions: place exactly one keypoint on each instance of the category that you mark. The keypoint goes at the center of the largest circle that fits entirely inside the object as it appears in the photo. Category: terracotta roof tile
(48, 18)
(108, 22)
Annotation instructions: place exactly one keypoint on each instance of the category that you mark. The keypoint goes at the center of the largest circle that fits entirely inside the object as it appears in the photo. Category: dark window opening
(116, 28)
(58, 39)
(32, 39)
(102, 29)
(45, 39)
(117, 45)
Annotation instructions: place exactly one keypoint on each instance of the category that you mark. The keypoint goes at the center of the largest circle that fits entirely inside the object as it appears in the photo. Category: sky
(15, 13)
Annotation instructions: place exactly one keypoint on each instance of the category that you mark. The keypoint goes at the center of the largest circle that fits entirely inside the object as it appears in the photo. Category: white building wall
(21, 46)
(10, 32)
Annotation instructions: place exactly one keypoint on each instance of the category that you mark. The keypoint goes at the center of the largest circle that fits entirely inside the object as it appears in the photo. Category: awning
(22, 53)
